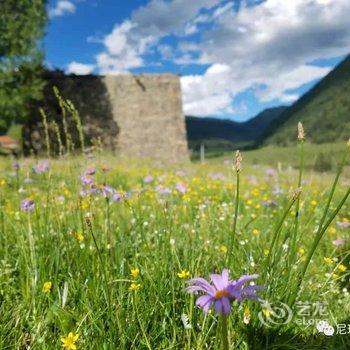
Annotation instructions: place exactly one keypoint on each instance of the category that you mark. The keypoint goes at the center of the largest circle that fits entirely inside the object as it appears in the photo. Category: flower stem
(224, 333)
(233, 236)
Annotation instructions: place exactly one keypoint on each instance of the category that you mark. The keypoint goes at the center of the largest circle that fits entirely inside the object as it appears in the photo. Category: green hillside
(324, 111)
(219, 135)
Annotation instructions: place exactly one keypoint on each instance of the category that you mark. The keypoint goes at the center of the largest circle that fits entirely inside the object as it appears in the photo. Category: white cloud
(291, 80)
(80, 68)
(62, 8)
(207, 94)
(271, 45)
(264, 46)
(129, 41)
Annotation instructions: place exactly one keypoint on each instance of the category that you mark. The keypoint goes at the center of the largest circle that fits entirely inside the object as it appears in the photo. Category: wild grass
(171, 223)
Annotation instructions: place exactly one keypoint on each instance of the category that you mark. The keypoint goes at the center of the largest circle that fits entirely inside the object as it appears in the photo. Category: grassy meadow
(102, 248)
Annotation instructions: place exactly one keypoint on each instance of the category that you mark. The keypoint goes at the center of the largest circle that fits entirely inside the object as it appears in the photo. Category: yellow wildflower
(79, 236)
(183, 274)
(314, 203)
(134, 287)
(256, 232)
(47, 286)
(2, 182)
(223, 249)
(69, 341)
(84, 204)
(267, 312)
(135, 272)
(246, 315)
(266, 252)
(301, 251)
(332, 230)
(328, 260)
(342, 268)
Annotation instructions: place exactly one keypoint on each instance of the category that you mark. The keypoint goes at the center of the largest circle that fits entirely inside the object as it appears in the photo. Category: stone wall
(136, 116)
(148, 111)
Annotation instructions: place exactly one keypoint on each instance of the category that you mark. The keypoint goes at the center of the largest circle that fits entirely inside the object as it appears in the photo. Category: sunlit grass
(115, 272)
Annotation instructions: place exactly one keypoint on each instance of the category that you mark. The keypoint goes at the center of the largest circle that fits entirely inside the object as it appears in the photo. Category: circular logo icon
(275, 314)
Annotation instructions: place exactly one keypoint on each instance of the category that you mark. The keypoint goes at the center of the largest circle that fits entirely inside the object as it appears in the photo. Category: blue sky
(235, 58)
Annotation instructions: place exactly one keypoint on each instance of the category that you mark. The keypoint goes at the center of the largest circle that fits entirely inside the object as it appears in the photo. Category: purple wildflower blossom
(222, 291)
(217, 176)
(87, 180)
(271, 172)
(27, 205)
(41, 167)
(148, 179)
(339, 242)
(15, 165)
(163, 190)
(181, 187)
(116, 197)
(343, 224)
(107, 191)
(268, 204)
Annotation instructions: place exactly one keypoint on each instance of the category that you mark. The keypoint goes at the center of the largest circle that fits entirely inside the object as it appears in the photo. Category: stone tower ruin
(136, 116)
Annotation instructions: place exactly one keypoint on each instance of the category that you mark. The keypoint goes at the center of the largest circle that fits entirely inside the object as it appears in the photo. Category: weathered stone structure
(136, 116)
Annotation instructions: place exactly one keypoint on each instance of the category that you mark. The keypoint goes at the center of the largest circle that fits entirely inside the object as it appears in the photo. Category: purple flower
(27, 205)
(15, 165)
(107, 191)
(271, 172)
(217, 176)
(343, 224)
(268, 204)
(339, 242)
(87, 180)
(222, 291)
(148, 179)
(181, 187)
(41, 167)
(116, 197)
(163, 190)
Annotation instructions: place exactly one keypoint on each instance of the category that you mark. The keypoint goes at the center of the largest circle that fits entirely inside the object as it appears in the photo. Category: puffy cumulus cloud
(62, 8)
(80, 68)
(129, 41)
(270, 44)
(207, 94)
(265, 46)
